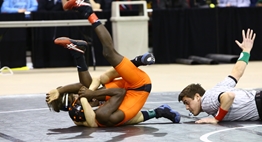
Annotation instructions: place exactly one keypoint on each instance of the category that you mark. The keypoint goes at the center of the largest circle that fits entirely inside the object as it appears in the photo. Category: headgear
(76, 112)
(65, 100)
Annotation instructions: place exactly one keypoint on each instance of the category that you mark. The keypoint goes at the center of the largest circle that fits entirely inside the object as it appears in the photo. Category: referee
(225, 102)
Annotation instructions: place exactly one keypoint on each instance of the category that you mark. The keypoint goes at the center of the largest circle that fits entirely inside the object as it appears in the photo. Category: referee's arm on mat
(226, 100)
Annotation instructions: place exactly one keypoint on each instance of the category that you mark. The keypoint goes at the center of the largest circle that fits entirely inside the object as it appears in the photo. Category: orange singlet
(132, 78)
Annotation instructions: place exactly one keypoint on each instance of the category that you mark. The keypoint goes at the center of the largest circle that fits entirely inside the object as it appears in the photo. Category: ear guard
(76, 112)
(65, 101)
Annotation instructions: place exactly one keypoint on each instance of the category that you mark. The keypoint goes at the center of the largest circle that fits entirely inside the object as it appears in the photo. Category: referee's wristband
(221, 114)
(244, 56)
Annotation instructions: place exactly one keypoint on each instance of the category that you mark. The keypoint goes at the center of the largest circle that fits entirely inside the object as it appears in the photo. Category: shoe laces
(81, 2)
(71, 46)
(74, 47)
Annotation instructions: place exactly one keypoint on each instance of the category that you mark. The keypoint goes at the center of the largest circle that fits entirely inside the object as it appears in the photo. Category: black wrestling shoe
(166, 112)
(148, 59)
(77, 45)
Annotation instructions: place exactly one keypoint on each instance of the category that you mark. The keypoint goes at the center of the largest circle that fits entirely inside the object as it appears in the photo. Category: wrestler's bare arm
(89, 114)
(54, 93)
(84, 92)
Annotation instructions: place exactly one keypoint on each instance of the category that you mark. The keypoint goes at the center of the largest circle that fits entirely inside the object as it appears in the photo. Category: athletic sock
(149, 114)
(86, 11)
(79, 60)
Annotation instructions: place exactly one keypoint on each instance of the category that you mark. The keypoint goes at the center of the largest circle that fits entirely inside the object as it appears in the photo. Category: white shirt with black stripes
(243, 107)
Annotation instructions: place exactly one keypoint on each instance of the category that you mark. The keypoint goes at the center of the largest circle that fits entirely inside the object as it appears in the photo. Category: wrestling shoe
(166, 112)
(70, 4)
(148, 59)
(77, 45)
(84, 7)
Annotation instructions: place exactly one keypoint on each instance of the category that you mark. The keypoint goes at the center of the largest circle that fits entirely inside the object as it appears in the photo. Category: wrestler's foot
(148, 59)
(70, 4)
(166, 112)
(145, 59)
(77, 45)
(82, 6)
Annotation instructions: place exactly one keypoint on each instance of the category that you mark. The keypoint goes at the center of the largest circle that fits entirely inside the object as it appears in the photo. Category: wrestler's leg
(114, 58)
(111, 74)
(164, 111)
(79, 47)
(109, 52)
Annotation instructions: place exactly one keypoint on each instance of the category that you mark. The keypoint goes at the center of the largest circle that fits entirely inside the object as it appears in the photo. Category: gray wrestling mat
(26, 118)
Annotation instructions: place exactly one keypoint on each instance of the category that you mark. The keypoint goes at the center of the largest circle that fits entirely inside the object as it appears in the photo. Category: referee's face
(193, 105)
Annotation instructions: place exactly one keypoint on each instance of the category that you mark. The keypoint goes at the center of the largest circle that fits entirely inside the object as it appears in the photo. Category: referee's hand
(207, 120)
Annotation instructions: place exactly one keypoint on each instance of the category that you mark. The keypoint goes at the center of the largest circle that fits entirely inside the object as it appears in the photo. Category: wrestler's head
(69, 102)
(63, 102)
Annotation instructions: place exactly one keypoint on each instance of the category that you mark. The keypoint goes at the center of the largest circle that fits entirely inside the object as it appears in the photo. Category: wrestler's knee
(104, 78)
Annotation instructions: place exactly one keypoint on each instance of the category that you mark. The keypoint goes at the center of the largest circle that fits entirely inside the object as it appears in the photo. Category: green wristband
(244, 56)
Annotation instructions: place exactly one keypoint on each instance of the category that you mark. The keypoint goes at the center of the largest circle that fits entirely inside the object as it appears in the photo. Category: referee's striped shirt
(243, 107)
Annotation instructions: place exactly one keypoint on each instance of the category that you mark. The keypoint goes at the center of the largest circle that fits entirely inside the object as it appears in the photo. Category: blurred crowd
(21, 6)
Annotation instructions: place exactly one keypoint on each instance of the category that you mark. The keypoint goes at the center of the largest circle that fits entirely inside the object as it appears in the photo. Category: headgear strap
(65, 100)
